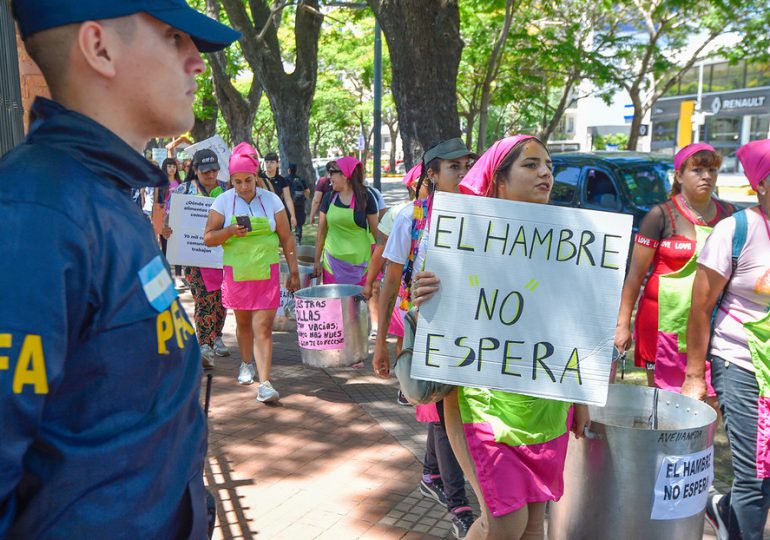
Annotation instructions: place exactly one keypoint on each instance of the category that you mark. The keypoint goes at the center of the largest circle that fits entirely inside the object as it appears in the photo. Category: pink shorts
(252, 295)
(396, 326)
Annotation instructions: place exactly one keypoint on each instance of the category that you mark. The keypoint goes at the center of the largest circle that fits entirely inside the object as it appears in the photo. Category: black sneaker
(434, 490)
(401, 399)
(461, 523)
(717, 515)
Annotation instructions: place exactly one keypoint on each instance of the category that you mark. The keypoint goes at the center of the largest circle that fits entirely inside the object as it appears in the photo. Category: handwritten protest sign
(682, 484)
(528, 300)
(220, 148)
(187, 220)
(319, 323)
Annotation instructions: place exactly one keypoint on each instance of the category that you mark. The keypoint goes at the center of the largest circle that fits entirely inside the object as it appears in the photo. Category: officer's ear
(101, 42)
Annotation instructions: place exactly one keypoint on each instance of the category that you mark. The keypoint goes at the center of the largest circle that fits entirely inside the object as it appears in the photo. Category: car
(626, 182)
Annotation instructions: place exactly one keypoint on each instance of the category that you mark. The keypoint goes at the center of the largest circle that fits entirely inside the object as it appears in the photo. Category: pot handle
(591, 434)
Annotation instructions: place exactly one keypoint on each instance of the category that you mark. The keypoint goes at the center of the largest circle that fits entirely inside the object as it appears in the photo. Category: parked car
(627, 182)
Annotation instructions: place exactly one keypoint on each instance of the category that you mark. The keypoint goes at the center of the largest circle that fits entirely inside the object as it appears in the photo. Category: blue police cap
(37, 15)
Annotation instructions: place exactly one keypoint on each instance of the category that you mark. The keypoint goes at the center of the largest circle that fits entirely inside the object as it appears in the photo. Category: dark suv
(626, 182)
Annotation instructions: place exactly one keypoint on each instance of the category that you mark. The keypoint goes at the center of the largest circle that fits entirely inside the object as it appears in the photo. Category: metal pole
(698, 105)
(377, 106)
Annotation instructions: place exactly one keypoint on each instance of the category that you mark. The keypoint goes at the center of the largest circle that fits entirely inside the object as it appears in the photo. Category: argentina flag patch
(157, 284)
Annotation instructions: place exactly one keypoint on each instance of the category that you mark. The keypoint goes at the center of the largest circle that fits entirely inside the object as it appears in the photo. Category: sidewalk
(335, 459)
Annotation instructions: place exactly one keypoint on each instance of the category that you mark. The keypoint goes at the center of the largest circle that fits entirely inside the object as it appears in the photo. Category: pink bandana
(244, 159)
(688, 151)
(413, 175)
(347, 165)
(479, 179)
(755, 158)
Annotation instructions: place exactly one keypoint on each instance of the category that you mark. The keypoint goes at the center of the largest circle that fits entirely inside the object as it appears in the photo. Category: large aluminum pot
(355, 324)
(610, 476)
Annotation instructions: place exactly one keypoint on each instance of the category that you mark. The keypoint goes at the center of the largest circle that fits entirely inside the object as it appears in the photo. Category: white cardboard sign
(220, 148)
(187, 219)
(528, 300)
(682, 485)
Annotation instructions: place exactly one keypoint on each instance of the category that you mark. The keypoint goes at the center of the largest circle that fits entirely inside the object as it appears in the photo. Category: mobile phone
(244, 221)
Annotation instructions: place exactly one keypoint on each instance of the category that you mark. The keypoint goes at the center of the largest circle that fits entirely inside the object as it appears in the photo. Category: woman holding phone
(250, 223)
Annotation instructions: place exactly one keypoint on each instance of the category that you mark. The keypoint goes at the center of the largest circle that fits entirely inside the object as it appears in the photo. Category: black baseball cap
(38, 15)
(449, 149)
(205, 160)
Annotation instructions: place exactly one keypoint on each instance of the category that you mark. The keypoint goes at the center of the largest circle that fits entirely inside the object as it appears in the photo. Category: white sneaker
(207, 357)
(220, 348)
(246, 373)
(266, 392)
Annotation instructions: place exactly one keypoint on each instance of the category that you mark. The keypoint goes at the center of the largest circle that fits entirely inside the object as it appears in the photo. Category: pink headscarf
(412, 175)
(347, 165)
(685, 153)
(755, 158)
(479, 179)
(244, 159)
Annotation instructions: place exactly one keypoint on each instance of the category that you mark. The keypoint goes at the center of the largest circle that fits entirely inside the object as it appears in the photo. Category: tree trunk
(425, 47)
(290, 94)
(206, 127)
(636, 121)
(470, 119)
(558, 112)
(493, 67)
(393, 129)
(238, 111)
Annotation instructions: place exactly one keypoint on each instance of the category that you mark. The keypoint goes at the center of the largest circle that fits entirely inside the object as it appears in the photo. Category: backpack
(417, 391)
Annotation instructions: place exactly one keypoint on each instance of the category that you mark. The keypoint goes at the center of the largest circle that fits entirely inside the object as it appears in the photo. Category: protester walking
(300, 193)
(669, 240)
(102, 432)
(348, 214)
(278, 185)
(521, 466)
(443, 167)
(734, 274)
(205, 283)
(250, 223)
(322, 187)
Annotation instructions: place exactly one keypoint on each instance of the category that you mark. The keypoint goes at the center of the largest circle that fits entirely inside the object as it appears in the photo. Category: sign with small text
(319, 323)
(220, 148)
(682, 485)
(187, 219)
(528, 300)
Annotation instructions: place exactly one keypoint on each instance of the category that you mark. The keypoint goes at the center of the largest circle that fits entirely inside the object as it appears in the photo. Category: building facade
(735, 107)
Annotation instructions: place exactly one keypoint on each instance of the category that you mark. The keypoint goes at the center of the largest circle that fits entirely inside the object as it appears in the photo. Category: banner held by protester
(187, 219)
(528, 300)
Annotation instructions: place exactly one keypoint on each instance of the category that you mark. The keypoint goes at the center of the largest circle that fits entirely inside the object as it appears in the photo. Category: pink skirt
(252, 295)
(396, 326)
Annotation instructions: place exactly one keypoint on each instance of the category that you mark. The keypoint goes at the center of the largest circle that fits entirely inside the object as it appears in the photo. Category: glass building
(735, 102)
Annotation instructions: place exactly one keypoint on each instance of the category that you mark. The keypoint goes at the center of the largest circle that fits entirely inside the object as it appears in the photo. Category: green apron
(347, 245)
(674, 299)
(252, 256)
(758, 337)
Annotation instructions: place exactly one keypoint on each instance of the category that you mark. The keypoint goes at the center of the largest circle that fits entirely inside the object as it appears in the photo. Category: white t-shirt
(400, 240)
(265, 204)
(385, 226)
(748, 294)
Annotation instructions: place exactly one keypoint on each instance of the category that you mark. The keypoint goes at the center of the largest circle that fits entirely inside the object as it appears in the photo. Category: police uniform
(102, 433)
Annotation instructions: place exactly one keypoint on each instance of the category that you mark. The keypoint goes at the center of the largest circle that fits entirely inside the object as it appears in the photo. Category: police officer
(102, 434)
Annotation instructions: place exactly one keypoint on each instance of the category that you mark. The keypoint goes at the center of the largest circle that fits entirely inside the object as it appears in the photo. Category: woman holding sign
(343, 246)
(734, 264)
(669, 239)
(511, 447)
(250, 222)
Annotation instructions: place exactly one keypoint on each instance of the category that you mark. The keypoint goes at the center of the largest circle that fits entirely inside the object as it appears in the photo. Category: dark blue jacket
(101, 429)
